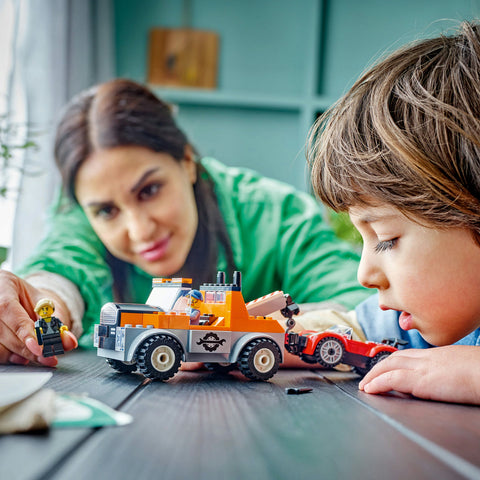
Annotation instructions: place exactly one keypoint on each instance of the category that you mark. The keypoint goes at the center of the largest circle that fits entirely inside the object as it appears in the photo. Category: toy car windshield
(342, 330)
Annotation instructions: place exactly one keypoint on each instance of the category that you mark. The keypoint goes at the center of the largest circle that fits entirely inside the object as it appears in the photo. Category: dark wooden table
(201, 425)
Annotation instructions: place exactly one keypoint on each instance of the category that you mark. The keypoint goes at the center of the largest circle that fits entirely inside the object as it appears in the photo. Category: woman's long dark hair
(124, 113)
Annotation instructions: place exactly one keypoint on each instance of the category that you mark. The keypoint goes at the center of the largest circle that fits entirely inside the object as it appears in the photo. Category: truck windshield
(165, 297)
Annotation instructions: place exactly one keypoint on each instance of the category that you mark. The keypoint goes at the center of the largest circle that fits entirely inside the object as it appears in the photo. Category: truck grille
(108, 315)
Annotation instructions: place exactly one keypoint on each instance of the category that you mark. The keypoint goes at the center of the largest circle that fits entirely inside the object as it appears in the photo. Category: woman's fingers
(13, 345)
(33, 346)
(17, 359)
(69, 340)
(17, 328)
(47, 361)
(191, 366)
(7, 356)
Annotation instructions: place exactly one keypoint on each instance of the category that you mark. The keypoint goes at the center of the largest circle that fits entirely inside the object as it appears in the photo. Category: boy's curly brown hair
(408, 134)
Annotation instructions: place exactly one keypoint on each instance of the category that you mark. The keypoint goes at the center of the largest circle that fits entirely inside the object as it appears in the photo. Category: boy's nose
(370, 274)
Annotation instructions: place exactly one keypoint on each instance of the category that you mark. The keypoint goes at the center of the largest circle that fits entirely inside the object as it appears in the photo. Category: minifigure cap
(195, 294)
(42, 302)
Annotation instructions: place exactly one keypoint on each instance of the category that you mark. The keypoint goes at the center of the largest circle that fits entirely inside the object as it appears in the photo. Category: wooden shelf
(217, 98)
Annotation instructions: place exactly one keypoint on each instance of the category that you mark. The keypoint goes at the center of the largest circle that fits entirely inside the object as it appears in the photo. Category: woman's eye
(149, 191)
(105, 213)
(385, 245)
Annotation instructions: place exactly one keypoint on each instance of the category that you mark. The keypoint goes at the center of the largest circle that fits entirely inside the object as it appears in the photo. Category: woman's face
(141, 205)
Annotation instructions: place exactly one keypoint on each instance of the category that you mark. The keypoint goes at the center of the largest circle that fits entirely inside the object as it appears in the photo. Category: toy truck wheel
(260, 359)
(329, 352)
(121, 366)
(378, 358)
(159, 357)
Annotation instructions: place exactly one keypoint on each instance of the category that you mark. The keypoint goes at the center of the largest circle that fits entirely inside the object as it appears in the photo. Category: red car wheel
(329, 351)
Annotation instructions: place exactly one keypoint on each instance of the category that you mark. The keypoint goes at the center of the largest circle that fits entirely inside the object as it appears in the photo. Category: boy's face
(431, 276)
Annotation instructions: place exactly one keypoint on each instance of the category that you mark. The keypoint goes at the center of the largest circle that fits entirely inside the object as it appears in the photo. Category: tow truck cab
(165, 296)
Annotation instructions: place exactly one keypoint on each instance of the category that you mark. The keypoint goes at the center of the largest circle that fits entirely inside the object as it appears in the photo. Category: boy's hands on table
(18, 342)
(448, 374)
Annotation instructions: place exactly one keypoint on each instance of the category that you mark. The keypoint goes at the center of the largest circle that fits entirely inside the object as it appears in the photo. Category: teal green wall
(358, 32)
(281, 63)
(262, 47)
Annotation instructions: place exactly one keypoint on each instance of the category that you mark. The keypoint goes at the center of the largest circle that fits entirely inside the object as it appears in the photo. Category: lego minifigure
(196, 299)
(49, 328)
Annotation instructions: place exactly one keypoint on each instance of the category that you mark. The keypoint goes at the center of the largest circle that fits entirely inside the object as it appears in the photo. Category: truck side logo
(211, 341)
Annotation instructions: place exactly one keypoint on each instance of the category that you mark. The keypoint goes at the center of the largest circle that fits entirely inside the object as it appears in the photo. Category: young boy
(400, 152)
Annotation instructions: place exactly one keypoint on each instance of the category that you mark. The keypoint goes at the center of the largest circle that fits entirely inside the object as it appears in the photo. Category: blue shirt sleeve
(378, 324)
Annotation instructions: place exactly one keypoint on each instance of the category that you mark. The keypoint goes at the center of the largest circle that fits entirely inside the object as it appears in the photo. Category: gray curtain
(64, 47)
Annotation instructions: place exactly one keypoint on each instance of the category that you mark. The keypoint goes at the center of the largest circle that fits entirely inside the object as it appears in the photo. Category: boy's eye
(385, 245)
(149, 191)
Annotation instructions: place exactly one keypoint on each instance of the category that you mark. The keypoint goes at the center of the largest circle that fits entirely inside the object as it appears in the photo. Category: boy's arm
(447, 374)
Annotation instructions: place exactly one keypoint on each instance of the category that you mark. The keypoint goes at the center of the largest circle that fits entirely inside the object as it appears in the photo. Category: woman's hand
(448, 374)
(18, 343)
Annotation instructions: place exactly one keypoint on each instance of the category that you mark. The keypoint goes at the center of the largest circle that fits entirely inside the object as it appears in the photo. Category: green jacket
(279, 239)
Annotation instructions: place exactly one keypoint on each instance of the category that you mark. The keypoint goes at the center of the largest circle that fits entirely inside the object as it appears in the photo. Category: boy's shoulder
(471, 339)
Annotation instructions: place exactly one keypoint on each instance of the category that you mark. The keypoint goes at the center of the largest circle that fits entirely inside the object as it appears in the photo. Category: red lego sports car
(335, 345)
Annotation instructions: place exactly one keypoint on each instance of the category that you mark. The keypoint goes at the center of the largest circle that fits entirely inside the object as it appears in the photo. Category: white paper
(15, 387)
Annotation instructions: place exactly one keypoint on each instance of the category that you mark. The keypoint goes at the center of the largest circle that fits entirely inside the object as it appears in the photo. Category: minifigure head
(45, 308)
(195, 297)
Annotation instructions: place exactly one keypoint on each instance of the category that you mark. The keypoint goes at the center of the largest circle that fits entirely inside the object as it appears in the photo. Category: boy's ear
(190, 164)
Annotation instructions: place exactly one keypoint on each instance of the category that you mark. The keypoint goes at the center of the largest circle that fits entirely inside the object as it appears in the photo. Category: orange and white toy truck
(154, 338)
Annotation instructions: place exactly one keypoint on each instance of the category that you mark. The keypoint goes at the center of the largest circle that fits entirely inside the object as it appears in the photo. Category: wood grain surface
(202, 425)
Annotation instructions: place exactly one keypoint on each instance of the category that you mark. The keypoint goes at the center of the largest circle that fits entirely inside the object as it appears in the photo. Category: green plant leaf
(343, 228)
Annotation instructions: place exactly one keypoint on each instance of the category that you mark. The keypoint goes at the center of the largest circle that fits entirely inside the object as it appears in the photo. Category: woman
(139, 204)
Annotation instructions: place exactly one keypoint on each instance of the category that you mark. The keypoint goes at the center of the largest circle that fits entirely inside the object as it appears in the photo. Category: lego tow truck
(222, 331)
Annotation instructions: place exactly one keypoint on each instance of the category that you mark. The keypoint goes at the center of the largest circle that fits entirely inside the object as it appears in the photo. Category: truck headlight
(95, 336)
(120, 339)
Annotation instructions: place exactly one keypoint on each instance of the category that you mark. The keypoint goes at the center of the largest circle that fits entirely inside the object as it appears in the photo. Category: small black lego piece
(298, 390)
